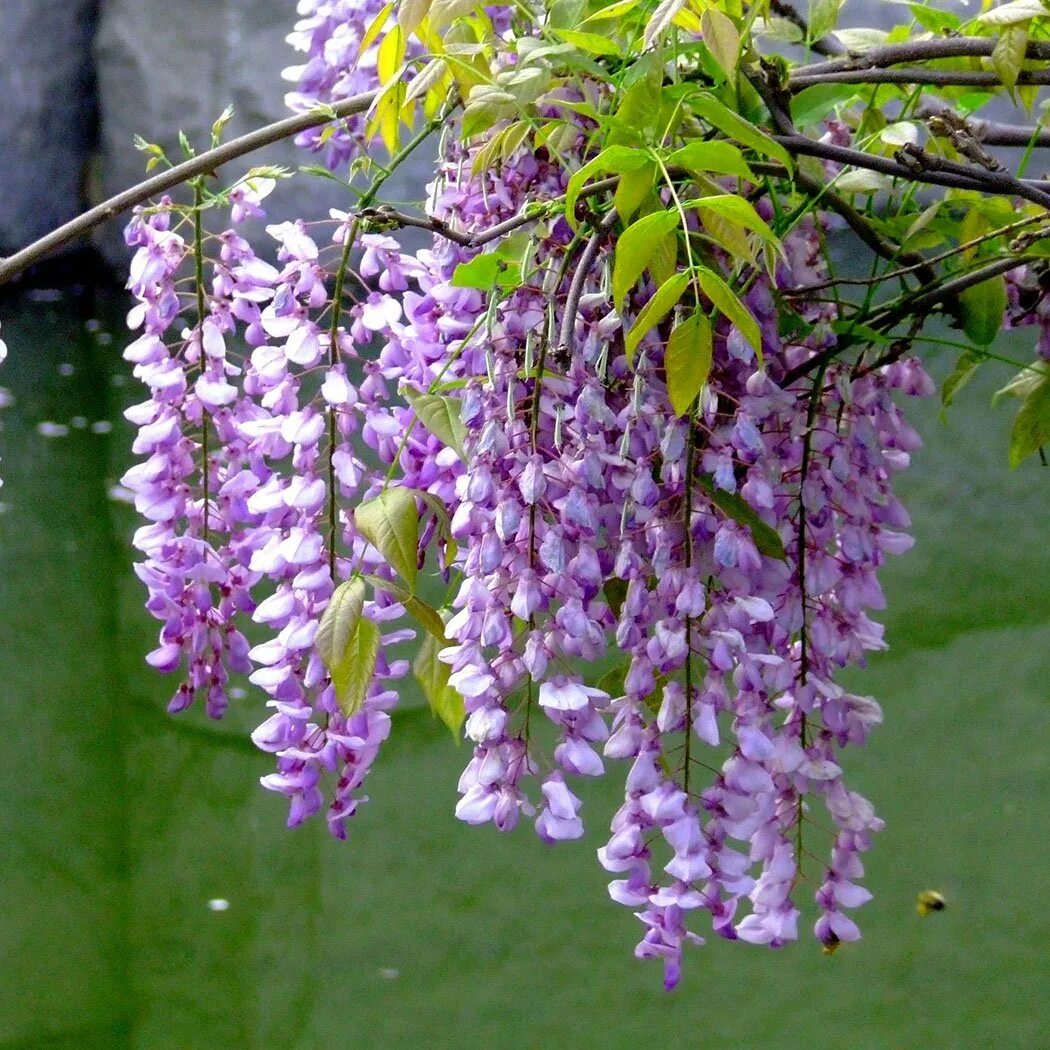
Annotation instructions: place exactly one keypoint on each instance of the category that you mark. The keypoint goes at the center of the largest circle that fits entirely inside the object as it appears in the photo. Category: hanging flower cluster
(601, 413)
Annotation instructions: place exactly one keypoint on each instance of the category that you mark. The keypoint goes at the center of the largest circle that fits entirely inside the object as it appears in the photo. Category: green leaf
(433, 676)
(352, 675)
(981, 310)
(811, 105)
(733, 125)
(725, 300)
(615, 591)
(1012, 13)
(1024, 382)
(592, 43)
(737, 210)
(934, 20)
(614, 160)
(1008, 53)
(638, 114)
(1031, 429)
(339, 621)
(632, 189)
(634, 248)
(390, 522)
(862, 180)
(687, 361)
(480, 272)
(823, 17)
(722, 39)
(425, 614)
(391, 54)
(410, 13)
(766, 539)
(654, 311)
(719, 158)
(614, 680)
(660, 20)
(441, 416)
(964, 371)
(220, 125)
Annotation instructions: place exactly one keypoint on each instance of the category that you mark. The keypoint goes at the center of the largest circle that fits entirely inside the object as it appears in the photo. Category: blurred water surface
(152, 899)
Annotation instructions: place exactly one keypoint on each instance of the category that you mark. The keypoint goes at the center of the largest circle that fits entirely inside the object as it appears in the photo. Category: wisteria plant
(626, 413)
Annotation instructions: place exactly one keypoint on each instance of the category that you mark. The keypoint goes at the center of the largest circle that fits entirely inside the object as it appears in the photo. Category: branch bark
(915, 75)
(919, 51)
(203, 164)
(959, 176)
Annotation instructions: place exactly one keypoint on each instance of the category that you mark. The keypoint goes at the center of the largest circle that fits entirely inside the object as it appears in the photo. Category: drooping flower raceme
(509, 409)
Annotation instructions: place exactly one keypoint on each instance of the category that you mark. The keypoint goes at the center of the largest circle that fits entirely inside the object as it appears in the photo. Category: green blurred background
(118, 825)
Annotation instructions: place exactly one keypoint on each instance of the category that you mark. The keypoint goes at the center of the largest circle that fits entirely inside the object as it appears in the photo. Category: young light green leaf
(737, 210)
(733, 125)
(445, 702)
(766, 539)
(632, 189)
(964, 371)
(1012, 13)
(718, 158)
(811, 105)
(1008, 53)
(1031, 429)
(861, 180)
(722, 39)
(654, 311)
(441, 416)
(220, 124)
(352, 675)
(390, 55)
(661, 19)
(1024, 382)
(614, 160)
(429, 76)
(612, 11)
(424, 613)
(390, 522)
(687, 361)
(592, 43)
(725, 300)
(375, 27)
(339, 621)
(635, 248)
(981, 310)
(479, 272)
(900, 133)
(410, 13)
(934, 20)
(823, 17)
(728, 234)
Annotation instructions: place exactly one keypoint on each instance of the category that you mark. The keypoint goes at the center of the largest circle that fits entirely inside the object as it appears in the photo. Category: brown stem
(915, 75)
(918, 51)
(203, 164)
(959, 176)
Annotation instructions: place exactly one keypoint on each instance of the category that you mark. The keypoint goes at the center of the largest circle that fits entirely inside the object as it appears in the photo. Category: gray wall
(47, 114)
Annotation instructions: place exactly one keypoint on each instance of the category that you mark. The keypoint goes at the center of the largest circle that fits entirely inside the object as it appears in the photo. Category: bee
(831, 945)
(930, 900)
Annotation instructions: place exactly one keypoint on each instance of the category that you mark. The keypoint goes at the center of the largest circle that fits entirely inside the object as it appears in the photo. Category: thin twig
(203, 164)
(579, 278)
(916, 75)
(918, 51)
(979, 179)
(532, 212)
(917, 304)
